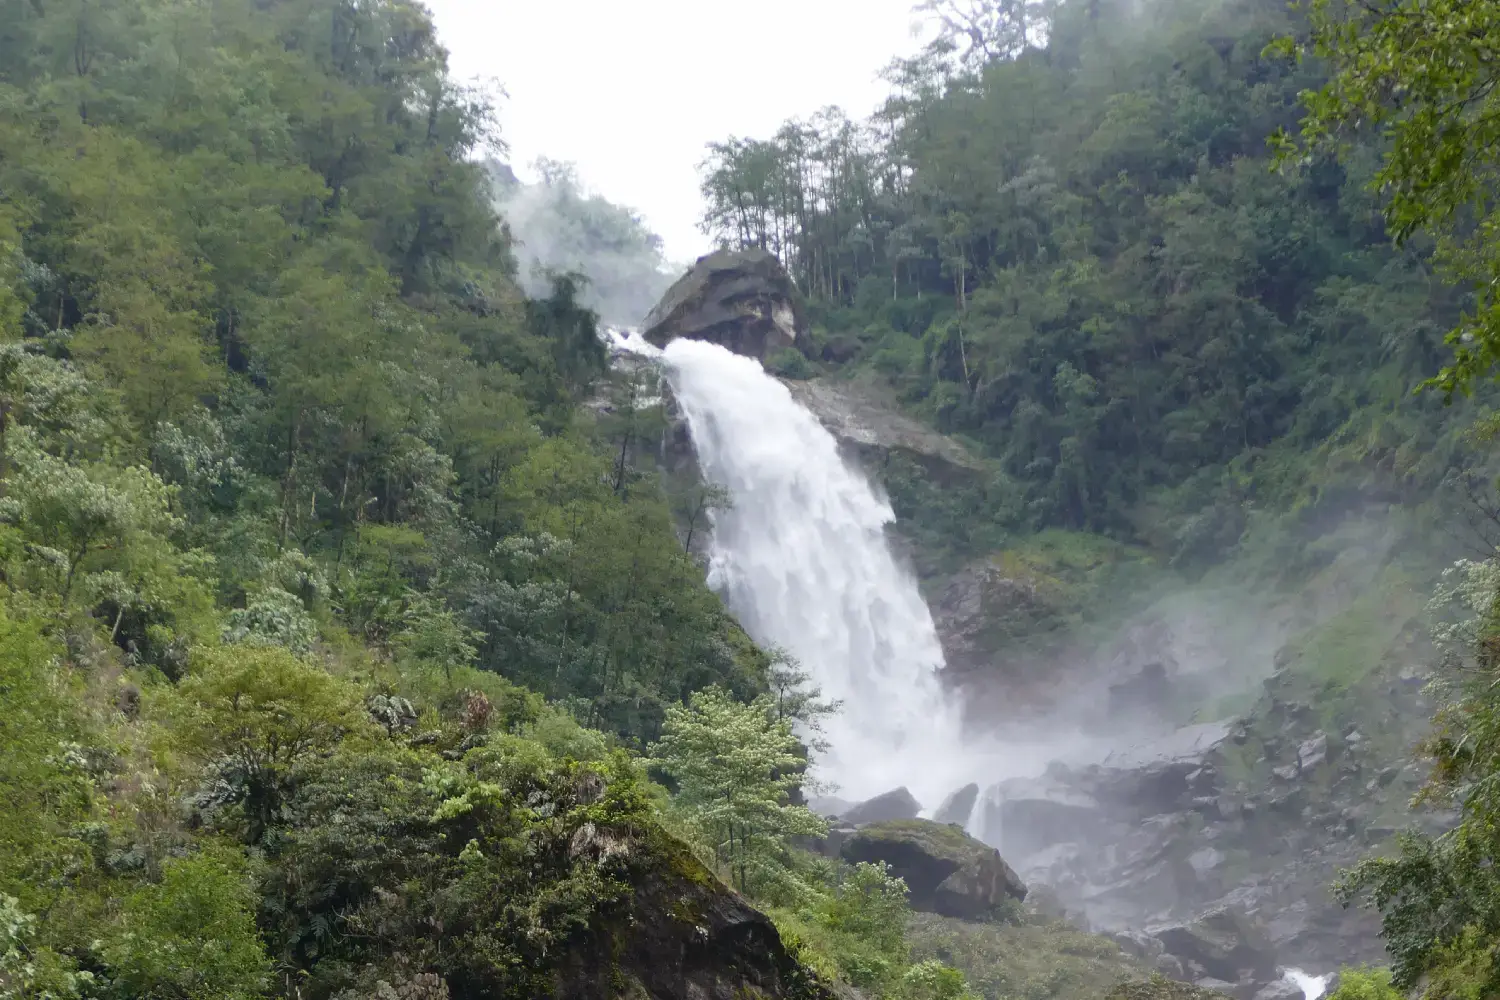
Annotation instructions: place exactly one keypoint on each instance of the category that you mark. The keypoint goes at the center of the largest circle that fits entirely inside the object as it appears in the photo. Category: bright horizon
(633, 102)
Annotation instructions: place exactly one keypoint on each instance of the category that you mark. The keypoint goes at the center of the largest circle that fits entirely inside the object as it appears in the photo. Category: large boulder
(946, 871)
(1033, 814)
(741, 299)
(958, 807)
(1223, 943)
(683, 935)
(895, 804)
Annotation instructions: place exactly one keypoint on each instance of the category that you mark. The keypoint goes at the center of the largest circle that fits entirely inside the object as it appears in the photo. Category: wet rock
(685, 937)
(982, 608)
(895, 804)
(1169, 966)
(958, 807)
(740, 299)
(831, 844)
(1287, 772)
(1224, 942)
(863, 417)
(1034, 814)
(1312, 752)
(1279, 989)
(828, 805)
(946, 871)
(1206, 861)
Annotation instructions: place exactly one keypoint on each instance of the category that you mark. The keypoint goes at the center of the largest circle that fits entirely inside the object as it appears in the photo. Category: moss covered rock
(1039, 958)
(687, 937)
(1161, 988)
(946, 871)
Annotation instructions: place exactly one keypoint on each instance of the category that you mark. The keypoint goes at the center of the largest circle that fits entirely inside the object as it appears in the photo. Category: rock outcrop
(868, 423)
(946, 871)
(958, 807)
(741, 299)
(895, 804)
(687, 937)
(1209, 852)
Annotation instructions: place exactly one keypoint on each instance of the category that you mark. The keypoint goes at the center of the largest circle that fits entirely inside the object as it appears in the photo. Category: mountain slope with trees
(1078, 255)
(334, 626)
(1065, 238)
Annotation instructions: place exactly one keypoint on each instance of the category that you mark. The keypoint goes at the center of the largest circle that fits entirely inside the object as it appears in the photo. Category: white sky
(632, 90)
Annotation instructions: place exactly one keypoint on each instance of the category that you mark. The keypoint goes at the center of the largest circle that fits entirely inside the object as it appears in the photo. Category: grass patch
(1036, 960)
(1353, 643)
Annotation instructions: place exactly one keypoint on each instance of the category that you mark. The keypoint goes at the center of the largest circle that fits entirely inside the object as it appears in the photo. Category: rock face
(1220, 943)
(1212, 849)
(982, 610)
(895, 804)
(946, 871)
(958, 807)
(687, 938)
(860, 416)
(741, 299)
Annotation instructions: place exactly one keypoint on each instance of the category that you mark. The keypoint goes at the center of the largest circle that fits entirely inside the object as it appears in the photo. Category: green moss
(1160, 988)
(1350, 645)
(1034, 960)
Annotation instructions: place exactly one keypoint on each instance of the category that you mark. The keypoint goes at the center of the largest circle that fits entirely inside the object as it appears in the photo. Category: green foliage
(1365, 984)
(1032, 958)
(935, 981)
(44, 789)
(192, 934)
(249, 716)
(855, 929)
(1420, 74)
(1439, 897)
(789, 363)
(1071, 251)
(734, 766)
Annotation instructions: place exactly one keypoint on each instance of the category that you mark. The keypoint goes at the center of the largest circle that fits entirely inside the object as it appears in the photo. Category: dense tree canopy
(1423, 74)
(335, 590)
(1062, 237)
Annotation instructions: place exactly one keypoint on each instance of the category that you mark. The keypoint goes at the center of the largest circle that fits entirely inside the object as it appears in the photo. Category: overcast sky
(631, 91)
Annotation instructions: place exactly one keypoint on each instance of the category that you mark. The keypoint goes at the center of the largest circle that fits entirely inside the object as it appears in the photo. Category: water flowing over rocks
(1209, 852)
(803, 560)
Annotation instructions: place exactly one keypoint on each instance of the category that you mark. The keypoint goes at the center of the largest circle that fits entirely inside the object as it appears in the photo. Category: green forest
(1084, 258)
(348, 650)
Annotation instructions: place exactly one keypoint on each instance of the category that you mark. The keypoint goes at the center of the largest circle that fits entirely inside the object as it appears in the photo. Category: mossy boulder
(1161, 988)
(687, 937)
(1038, 958)
(946, 871)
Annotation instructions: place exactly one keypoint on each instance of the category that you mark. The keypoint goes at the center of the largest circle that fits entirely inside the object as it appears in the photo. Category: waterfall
(802, 560)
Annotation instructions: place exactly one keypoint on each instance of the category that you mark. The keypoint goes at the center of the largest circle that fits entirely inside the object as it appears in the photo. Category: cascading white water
(1312, 987)
(802, 559)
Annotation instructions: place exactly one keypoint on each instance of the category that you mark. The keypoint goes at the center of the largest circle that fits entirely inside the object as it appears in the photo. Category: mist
(559, 226)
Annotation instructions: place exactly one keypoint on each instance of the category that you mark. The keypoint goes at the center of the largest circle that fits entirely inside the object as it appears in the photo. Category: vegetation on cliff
(332, 624)
(1079, 257)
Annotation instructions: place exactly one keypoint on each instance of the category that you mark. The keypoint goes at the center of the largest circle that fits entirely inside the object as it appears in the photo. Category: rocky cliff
(868, 422)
